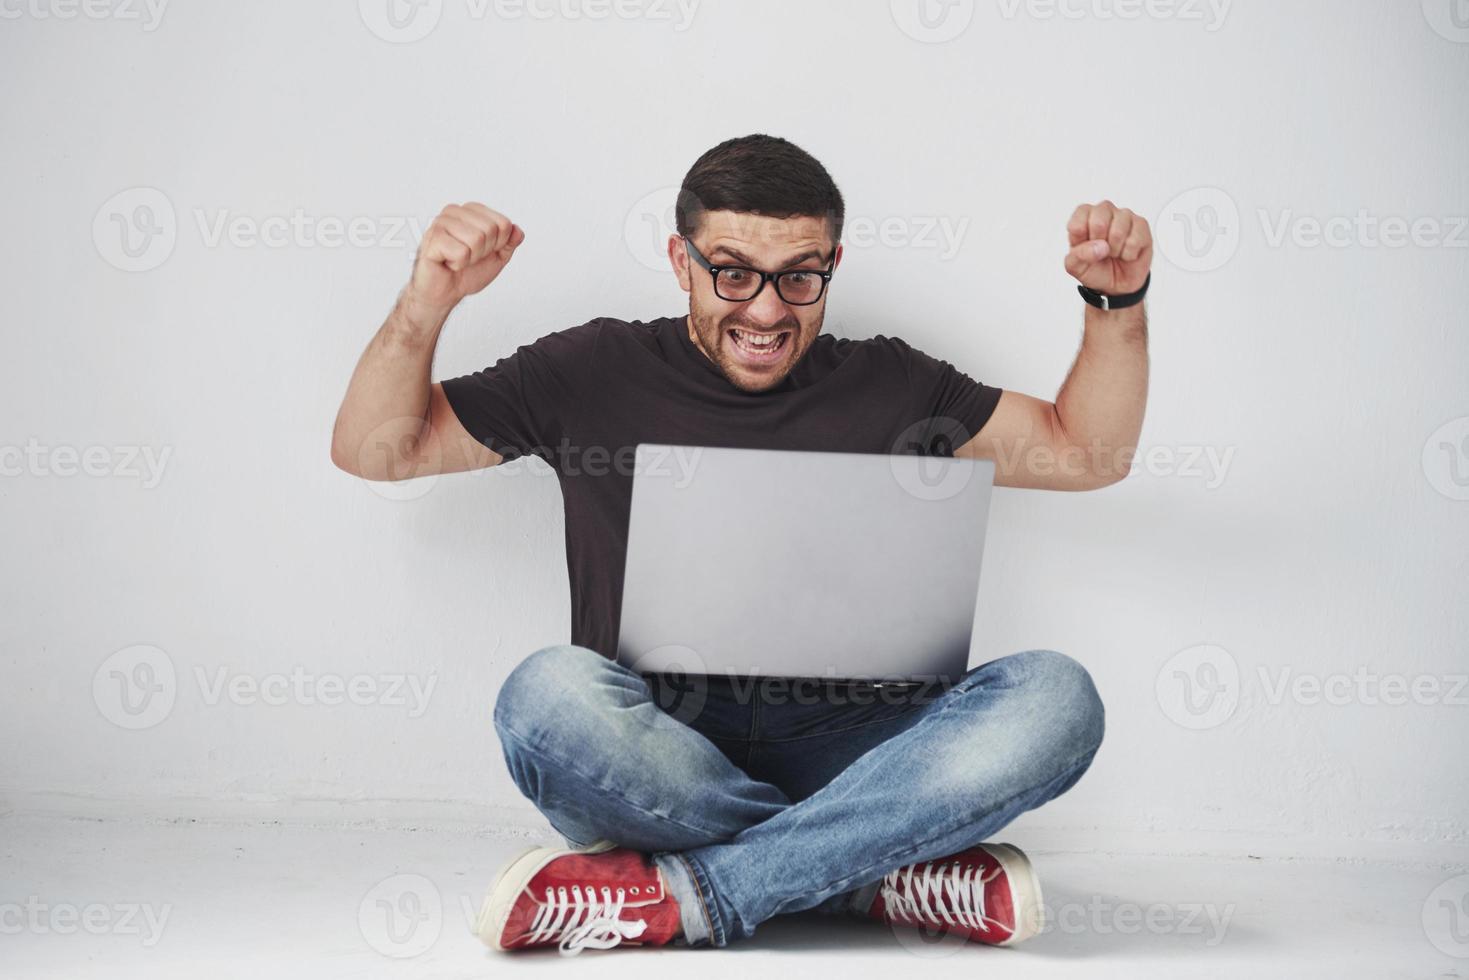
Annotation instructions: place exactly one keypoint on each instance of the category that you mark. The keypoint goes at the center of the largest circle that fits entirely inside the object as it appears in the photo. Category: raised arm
(394, 423)
(1087, 437)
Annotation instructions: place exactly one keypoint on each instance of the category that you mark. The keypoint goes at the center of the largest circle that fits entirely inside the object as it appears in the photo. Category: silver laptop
(774, 563)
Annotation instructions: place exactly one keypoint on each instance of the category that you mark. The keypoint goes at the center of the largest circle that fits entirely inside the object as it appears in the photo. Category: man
(697, 829)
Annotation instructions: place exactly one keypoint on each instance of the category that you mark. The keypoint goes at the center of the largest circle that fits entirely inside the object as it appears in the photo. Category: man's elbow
(1095, 467)
(385, 455)
(1101, 479)
(362, 465)
(380, 467)
(343, 457)
(381, 473)
(345, 461)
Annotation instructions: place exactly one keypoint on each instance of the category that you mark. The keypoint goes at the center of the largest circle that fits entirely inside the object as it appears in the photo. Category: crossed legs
(586, 742)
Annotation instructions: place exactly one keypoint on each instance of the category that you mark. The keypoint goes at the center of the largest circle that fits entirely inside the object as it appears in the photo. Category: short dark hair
(758, 174)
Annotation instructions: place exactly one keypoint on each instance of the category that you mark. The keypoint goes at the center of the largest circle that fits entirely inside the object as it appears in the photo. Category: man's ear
(837, 259)
(679, 257)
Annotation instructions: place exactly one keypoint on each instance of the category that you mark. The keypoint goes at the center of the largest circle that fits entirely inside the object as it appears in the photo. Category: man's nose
(768, 308)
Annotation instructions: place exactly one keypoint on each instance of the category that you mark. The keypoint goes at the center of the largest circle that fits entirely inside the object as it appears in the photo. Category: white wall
(1332, 543)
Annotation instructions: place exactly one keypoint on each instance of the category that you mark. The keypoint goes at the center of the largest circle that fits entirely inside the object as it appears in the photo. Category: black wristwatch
(1104, 302)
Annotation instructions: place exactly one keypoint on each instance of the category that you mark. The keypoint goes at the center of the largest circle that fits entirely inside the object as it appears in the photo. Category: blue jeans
(791, 795)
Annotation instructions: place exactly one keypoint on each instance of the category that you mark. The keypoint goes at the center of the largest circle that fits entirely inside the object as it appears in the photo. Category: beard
(711, 334)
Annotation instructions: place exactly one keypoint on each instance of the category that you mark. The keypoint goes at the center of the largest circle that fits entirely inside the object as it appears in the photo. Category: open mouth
(759, 347)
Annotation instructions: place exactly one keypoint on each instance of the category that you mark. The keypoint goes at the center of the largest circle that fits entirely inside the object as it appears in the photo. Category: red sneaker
(597, 897)
(988, 893)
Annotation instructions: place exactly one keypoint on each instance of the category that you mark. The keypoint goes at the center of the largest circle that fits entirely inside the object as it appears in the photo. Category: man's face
(755, 343)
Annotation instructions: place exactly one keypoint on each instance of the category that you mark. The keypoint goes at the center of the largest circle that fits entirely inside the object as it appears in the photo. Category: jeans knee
(541, 685)
(1069, 695)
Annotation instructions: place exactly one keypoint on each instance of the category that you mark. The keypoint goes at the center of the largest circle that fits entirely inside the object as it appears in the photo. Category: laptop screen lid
(779, 563)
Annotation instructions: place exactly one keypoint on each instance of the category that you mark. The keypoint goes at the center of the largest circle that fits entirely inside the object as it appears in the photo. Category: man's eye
(738, 276)
(799, 278)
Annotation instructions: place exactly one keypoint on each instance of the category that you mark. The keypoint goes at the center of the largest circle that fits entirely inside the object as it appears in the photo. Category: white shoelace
(583, 920)
(950, 894)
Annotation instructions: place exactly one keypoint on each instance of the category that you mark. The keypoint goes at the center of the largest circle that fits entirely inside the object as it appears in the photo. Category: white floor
(124, 899)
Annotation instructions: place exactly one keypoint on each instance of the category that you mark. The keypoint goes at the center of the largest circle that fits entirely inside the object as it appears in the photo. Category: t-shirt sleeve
(949, 406)
(521, 405)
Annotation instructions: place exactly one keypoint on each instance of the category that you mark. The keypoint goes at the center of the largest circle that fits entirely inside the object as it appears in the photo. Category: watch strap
(1104, 302)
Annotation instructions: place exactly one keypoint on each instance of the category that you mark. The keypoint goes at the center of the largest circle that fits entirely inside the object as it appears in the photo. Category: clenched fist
(1111, 248)
(461, 253)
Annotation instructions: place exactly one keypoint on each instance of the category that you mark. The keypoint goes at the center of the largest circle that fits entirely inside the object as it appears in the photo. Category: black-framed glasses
(737, 284)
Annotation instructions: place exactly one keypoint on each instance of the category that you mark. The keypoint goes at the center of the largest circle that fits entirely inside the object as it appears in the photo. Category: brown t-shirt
(583, 398)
